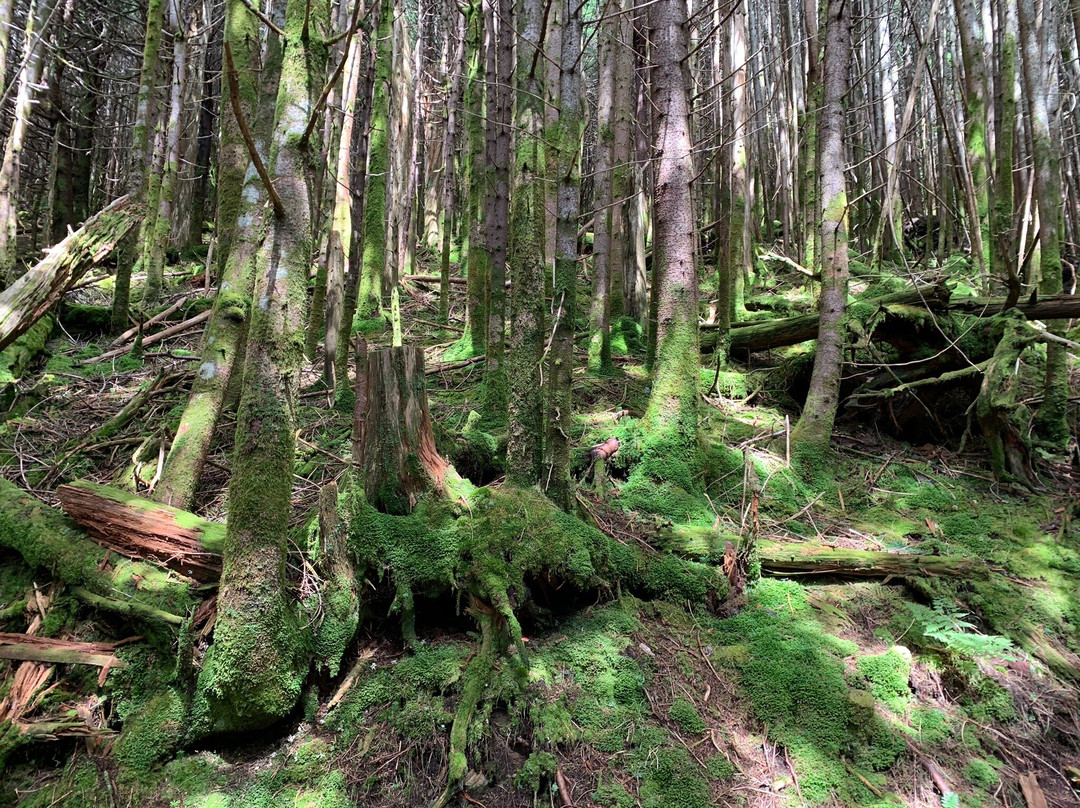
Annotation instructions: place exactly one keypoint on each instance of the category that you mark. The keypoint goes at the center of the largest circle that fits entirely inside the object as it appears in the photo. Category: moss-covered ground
(584, 658)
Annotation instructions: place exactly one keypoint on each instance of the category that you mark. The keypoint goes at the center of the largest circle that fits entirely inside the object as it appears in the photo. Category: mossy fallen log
(141, 528)
(48, 540)
(814, 558)
(41, 649)
(24, 302)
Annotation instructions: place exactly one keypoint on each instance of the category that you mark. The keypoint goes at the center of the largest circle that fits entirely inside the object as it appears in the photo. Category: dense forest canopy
(661, 403)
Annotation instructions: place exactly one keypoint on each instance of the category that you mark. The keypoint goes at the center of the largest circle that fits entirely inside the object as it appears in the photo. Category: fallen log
(813, 558)
(171, 331)
(45, 649)
(26, 300)
(48, 540)
(142, 529)
(747, 338)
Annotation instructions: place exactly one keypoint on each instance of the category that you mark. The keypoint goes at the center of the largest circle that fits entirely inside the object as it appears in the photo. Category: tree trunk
(29, 81)
(141, 155)
(398, 454)
(241, 199)
(1002, 233)
(556, 471)
(259, 658)
(671, 417)
(1040, 83)
(525, 425)
(814, 429)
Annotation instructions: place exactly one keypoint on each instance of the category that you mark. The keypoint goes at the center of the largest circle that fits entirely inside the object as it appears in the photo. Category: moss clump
(887, 675)
(671, 779)
(613, 795)
(154, 733)
(683, 713)
(720, 768)
(932, 497)
(981, 774)
(537, 770)
(932, 725)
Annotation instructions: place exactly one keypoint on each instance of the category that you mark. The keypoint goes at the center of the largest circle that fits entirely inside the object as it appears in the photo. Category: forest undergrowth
(822, 678)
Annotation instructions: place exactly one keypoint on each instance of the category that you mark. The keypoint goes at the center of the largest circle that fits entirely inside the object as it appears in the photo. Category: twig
(234, 95)
(160, 335)
(161, 315)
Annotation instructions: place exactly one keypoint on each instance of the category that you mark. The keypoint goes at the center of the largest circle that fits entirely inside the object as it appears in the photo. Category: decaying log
(398, 451)
(45, 649)
(813, 558)
(48, 540)
(140, 528)
(26, 300)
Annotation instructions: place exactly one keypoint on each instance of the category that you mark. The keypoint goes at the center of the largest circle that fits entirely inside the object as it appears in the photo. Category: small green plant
(950, 800)
(948, 625)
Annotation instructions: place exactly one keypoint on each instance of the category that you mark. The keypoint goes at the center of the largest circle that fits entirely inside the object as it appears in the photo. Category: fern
(950, 800)
(947, 624)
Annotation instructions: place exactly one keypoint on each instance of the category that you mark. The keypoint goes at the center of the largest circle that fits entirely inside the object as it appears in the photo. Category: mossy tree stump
(398, 453)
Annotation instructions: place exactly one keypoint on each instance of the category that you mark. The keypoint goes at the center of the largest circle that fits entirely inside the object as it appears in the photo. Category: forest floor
(811, 688)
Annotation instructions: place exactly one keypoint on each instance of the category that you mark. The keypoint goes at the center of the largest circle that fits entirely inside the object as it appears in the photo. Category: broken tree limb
(171, 331)
(26, 300)
(164, 314)
(140, 528)
(48, 540)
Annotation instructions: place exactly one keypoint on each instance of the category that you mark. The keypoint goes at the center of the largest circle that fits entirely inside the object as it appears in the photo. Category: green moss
(931, 724)
(981, 774)
(720, 768)
(613, 795)
(537, 771)
(671, 779)
(154, 734)
(683, 713)
(627, 337)
(887, 675)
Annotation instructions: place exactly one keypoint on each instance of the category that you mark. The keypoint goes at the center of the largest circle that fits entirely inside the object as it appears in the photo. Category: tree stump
(398, 452)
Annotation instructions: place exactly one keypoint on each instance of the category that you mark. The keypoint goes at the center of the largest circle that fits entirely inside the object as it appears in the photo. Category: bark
(143, 529)
(814, 428)
(816, 559)
(672, 414)
(526, 260)
(497, 213)
(154, 256)
(449, 157)
(340, 239)
(556, 471)
(732, 292)
(398, 453)
(140, 153)
(10, 169)
(1040, 84)
(259, 659)
(1002, 233)
(63, 265)
(396, 258)
(241, 199)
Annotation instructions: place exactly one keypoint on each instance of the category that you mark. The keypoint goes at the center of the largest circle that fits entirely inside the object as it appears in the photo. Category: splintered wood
(139, 528)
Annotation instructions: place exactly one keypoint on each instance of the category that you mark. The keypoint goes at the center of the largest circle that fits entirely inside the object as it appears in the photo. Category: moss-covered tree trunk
(672, 413)
(371, 276)
(29, 78)
(560, 370)
(523, 361)
(1040, 85)
(476, 256)
(605, 217)
(140, 155)
(449, 157)
(259, 657)
(398, 453)
(500, 107)
(340, 240)
(814, 429)
(241, 199)
(1002, 234)
(732, 293)
(154, 254)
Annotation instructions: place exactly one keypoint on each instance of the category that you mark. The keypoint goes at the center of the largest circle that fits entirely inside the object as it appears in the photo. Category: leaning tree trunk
(814, 429)
(259, 658)
(241, 199)
(398, 453)
(29, 81)
(22, 303)
(672, 413)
